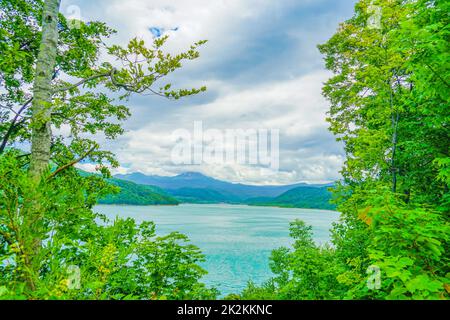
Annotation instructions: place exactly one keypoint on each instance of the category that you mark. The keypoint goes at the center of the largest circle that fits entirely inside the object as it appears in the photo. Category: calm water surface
(237, 240)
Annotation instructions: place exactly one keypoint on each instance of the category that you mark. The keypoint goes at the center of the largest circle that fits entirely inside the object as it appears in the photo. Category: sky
(262, 69)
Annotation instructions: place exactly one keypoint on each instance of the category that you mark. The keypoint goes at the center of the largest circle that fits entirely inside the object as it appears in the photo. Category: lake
(236, 239)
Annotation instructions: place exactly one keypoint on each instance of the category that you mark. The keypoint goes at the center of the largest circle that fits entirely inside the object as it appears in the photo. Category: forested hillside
(134, 194)
(198, 195)
(194, 187)
(300, 197)
(196, 180)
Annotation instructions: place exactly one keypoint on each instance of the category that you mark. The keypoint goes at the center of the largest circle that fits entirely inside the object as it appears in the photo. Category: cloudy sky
(262, 69)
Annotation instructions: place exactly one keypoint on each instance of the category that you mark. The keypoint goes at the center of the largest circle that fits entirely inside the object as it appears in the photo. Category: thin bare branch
(81, 82)
(13, 125)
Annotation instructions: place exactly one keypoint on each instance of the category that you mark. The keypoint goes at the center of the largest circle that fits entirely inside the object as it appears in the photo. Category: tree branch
(437, 75)
(13, 125)
(70, 164)
(81, 82)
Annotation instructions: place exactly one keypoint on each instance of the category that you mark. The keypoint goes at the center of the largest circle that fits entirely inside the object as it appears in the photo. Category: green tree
(305, 272)
(389, 105)
(55, 73)
(389, 99)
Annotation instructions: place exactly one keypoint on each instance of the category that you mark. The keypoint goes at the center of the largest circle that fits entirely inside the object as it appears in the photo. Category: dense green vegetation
(130, 193)
(390, 106)
(300, 197)
(78, 257)
(52, 244)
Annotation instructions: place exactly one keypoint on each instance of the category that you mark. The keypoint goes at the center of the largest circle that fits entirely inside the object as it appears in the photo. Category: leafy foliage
(82, 105)
(60, 74)
(390, 106)
(115, 259)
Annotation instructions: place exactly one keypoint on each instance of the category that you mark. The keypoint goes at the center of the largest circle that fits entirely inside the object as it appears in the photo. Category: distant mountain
(194, 187)
(300, 197)
(136, 194)
(188, 179)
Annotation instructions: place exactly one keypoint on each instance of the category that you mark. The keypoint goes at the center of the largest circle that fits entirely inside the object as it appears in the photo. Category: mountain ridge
(190, 185)
(300, 197)
(198, 175)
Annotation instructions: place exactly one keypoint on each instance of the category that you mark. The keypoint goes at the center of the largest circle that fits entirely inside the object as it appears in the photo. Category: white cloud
(295, 107)
(262, 70)
(88, 167)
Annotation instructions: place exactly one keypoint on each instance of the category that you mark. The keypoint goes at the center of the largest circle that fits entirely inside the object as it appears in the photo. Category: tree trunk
(42, 90)
(395, 117)
(41, 137)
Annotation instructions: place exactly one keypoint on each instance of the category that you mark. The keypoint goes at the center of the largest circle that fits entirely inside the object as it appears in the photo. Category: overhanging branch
(72, 163)
(81, 82)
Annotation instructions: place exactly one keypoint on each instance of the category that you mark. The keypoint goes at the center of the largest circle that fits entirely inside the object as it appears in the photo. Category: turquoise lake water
(236, 239)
